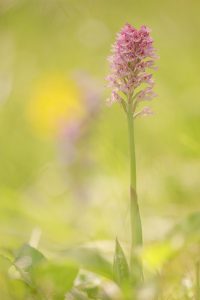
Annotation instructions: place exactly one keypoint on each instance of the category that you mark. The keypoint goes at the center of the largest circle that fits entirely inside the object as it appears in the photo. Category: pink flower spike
(132, 55)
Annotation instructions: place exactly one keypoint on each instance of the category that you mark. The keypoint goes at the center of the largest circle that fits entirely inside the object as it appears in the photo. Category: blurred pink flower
(75, 136)
(76, 131)
(132, 54)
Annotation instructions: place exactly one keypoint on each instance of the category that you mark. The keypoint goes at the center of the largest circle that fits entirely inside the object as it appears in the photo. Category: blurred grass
(39, 38)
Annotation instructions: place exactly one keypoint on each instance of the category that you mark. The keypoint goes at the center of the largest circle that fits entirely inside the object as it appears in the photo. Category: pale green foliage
(120, 265)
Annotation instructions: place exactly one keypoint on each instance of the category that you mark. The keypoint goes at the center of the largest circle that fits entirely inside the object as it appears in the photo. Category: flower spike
(132, 55)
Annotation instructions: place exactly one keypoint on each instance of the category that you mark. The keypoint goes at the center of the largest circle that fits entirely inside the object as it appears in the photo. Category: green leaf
(28, 257)
(55, 279)
(16, 281)
(120, 265)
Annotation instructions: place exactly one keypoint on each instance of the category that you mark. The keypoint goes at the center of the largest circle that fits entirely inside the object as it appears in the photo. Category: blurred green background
(74, 192)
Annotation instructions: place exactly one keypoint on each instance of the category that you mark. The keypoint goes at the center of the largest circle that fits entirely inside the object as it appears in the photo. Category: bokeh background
(64, 169)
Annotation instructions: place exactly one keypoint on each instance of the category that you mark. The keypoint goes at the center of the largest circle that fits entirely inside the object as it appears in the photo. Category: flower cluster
(132, 54)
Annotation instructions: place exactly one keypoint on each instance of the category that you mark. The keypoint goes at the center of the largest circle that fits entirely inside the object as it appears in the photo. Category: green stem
(136, 226)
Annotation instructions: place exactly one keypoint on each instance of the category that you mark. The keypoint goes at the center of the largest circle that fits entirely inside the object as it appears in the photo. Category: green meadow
(64, 157)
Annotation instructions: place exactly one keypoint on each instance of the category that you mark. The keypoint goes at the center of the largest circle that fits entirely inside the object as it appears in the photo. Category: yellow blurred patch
(56, 99)
(155, 256)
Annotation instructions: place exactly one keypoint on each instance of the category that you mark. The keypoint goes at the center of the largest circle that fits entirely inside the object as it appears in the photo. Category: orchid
(133, 55)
